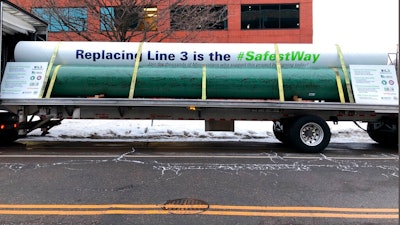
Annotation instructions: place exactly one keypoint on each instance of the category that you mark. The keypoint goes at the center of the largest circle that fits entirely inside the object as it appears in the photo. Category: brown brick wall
(233, 34)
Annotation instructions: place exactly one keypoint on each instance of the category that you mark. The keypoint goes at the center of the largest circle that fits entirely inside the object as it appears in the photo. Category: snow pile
(177, 130)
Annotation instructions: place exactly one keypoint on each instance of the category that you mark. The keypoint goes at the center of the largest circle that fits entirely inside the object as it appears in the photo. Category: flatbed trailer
(299, 124)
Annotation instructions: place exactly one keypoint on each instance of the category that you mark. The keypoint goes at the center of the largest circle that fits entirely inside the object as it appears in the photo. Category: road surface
(196, 183)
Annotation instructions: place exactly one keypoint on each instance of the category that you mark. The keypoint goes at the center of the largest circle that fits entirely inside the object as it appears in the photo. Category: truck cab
(16, 25)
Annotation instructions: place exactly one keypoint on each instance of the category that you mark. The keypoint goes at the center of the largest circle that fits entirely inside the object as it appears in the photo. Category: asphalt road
(197, 183)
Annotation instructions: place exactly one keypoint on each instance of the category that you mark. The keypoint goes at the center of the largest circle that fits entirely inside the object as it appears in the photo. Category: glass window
(47, 16)
(106, 18)
(290, 16)
(63, 19)
(124, 18)
(150, 19)
(199, 17)
(77, 18)
(270, 16)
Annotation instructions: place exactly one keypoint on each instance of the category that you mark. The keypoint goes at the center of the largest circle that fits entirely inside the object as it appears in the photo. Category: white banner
(198, 54)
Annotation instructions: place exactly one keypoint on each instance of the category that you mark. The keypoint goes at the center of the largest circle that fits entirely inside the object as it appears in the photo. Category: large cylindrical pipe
(195, 54)
(186, 82)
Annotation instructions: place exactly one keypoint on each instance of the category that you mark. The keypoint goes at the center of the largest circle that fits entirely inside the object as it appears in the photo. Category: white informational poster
(23, 80)
(375, 84)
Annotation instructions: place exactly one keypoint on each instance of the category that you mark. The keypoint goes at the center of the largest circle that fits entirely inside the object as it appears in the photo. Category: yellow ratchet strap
(339, 85)
(52, 81)
(135, 70)
(346, 74)
(49, 67)
(204, 84)
(279, 70)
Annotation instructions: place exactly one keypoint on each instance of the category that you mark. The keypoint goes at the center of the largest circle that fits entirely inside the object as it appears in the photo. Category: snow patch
(179, 130)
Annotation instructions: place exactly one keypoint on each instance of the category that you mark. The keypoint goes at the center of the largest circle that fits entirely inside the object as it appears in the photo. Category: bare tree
(127, 20)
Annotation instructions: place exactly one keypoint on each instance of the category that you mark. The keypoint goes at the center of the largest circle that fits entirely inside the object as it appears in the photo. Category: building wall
(234, 33)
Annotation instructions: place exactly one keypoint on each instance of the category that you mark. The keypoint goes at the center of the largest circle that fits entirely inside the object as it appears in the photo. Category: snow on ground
(178, 130)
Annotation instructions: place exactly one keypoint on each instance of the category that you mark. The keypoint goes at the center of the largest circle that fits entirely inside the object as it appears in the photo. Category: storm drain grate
(185, 206)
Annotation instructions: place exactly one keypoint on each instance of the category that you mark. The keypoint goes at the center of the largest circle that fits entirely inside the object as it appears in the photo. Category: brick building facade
(246, 21)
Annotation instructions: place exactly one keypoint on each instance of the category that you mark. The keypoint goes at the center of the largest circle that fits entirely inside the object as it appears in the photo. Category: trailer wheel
(280, 130)
(309, 134)
(385, 132)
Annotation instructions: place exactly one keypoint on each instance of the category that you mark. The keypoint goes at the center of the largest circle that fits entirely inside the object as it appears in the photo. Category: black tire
(309, 134)
(280, 131)
(383, 133)
(8, 137)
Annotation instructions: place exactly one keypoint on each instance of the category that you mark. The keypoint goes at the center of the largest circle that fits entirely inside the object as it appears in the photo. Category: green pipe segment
(179, 82)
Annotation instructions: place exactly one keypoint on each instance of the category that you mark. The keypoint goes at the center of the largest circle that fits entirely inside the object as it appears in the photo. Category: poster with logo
(23, 80)
(375, 84)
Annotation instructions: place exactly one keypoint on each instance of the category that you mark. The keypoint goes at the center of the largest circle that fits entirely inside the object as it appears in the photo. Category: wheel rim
(311, 134)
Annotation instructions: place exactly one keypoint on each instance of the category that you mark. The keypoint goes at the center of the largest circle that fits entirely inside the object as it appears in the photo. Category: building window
(127, 18)
(271, 16)
(63, 19)
(199, 17)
